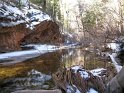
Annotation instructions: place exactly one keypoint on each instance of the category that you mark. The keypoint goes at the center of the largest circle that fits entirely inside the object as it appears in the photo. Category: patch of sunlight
(6, 72)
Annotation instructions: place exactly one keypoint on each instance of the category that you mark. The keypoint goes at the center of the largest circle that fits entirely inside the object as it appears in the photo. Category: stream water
(35, 73)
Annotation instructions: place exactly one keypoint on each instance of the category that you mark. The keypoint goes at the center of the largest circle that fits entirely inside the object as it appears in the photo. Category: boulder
(11, 38)
(45, 32)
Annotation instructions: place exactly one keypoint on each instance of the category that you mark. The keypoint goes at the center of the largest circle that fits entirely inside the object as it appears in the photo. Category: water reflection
(34, 78)
(36, 73)
(89, 60)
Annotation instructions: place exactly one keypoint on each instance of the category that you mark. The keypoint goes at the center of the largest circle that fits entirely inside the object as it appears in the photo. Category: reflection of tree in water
(47, 63)
(55, 63)
(65, 77)
(73, 57)
(87, 59)
(34, 79)
(38, 70)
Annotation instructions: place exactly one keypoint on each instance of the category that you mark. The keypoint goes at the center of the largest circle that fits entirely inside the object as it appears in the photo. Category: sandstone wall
(12, 37)
(45, 32)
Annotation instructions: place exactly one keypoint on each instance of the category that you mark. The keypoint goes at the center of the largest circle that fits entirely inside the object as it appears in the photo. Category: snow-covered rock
(72, 89)
(89, 75)
(84, 74)
(98, 71)
(92, 91)
(43, 47)
(17, 16)
(19, 56)
(114, 46)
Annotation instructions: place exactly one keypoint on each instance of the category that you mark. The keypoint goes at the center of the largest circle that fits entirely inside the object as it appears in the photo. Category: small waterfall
(118, 68)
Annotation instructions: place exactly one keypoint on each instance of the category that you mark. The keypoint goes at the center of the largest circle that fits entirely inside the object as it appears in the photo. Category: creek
(36, 71)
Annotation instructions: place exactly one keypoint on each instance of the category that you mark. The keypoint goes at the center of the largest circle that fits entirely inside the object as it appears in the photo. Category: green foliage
(52, 7)
(38, 2)
(89, 18)
(93, 17)
(19, 4)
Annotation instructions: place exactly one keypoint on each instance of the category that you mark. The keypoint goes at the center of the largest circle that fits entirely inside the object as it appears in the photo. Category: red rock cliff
(12, 37)
(45, 32)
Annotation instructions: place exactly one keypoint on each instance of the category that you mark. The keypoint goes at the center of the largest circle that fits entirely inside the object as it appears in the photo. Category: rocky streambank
(24, 26)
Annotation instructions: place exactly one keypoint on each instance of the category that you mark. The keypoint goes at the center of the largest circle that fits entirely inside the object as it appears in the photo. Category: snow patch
(34, 15)
(14, 10)
(8, 24)
(97, 72)
(118, 68)
(113, 46)
(72, 89)
(75, 68)
(84, 74)
(43, 47)
(30, 16)
(92, 91)
(19, 56)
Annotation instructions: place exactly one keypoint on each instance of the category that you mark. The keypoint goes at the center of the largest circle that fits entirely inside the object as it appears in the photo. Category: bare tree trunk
(121, 28)
(44, 5)
(29, 4)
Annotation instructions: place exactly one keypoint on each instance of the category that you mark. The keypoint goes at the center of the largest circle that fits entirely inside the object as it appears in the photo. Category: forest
(61, 46)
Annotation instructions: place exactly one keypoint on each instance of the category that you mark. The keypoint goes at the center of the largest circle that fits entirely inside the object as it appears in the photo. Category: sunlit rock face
(10, 37)
(45, 32)
(22, 26)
